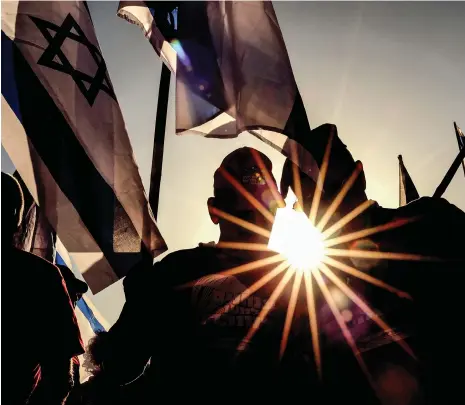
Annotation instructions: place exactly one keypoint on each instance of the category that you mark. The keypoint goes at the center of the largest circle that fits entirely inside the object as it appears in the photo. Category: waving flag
(461, 141)
(35, 234)
(407, 190)
(89, 319)
(63, 129)
(94, 323)
(233, 72)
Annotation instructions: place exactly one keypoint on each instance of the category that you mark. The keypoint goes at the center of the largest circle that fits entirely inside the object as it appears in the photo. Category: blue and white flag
(233, 72)
(94, 323)
(89, 319)
(63, 129)
(93, 317)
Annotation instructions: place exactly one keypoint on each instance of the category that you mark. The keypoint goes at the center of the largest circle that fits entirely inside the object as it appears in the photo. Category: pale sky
(391, 76)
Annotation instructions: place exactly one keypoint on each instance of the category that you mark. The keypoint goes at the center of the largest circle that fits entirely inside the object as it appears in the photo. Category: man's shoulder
(422, 211)
(31, 265)
(36, 275)
(186, 265)
(434, 224)
(188, 256)
(175, 268)
(431, 207)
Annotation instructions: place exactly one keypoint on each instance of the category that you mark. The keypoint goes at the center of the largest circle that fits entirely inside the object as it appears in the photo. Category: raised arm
(59, 340)
(122, 352)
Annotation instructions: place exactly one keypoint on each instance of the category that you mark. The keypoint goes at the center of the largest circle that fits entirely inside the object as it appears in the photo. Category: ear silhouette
(361, 176)
(211, 204)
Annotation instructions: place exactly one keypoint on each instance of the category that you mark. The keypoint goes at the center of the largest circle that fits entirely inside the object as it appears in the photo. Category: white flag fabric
(35, 235)
(63, 129)
(233, 73)
(407, 190)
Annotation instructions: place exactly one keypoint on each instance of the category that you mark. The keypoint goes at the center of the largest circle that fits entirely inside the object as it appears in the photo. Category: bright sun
(308, 252)
(296, 238)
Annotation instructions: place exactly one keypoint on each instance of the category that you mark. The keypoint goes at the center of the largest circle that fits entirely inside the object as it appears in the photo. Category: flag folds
(233, 73)
(35, 235)
(407, 190)
(63, 129)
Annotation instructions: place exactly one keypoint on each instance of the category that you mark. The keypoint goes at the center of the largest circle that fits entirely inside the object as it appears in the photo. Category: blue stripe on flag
(87, 312)
(59, 260)
(9, 90)
(64, 156)
(82, 305)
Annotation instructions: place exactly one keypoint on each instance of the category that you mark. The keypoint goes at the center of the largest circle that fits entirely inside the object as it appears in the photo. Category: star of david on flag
(64, 132)
(54, 57)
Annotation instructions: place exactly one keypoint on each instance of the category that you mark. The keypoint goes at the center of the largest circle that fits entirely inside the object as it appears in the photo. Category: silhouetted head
(98, 350)
(340, 167)
(76, 288)
(12, 207)
(243, 172)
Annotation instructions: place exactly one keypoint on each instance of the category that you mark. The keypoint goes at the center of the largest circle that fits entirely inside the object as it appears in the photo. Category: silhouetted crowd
(179, 337)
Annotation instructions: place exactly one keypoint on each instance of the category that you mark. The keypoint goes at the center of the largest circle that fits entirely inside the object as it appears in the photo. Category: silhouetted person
(40, 334)
(35, 235)
(432, 228)
(194, 357)
(76, 289)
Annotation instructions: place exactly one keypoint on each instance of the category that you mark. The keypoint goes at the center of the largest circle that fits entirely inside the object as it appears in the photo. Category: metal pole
(159, 139)
(450, 174)
(400, 180)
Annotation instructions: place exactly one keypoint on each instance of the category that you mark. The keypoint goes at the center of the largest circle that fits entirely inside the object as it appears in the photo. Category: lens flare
(296, 238)
(182, 55)
(306, 252)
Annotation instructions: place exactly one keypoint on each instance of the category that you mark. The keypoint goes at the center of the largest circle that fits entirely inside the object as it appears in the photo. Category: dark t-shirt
(430, 323)
(192, 359)
(38, 322)
(197, 358)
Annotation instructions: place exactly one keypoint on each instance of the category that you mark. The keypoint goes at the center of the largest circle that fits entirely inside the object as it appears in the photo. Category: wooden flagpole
(159, 139)
(400, 180)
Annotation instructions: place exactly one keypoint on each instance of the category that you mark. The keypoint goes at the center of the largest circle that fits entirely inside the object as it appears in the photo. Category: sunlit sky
(391, 76)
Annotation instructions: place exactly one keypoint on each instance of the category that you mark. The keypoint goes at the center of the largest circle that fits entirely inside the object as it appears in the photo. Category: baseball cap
(242, 168)
(73, 284)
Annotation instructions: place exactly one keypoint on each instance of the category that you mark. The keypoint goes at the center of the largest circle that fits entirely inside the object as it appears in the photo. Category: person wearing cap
(167, 312)
(76, 288)
(40, 334)
(430, 229)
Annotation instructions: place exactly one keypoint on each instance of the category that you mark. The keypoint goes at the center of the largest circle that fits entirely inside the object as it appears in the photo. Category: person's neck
(254, 240)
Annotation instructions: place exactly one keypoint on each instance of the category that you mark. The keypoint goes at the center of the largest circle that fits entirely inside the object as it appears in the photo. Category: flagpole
(457, 134)
(450, 174)
(400, 180)
(159, 139)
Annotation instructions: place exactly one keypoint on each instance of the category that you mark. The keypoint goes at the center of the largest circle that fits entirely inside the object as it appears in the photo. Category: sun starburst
(306, 251)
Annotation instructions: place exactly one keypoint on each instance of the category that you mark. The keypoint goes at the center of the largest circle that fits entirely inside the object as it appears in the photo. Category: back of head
(12, 207)
(243, 174)
(247, 166)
